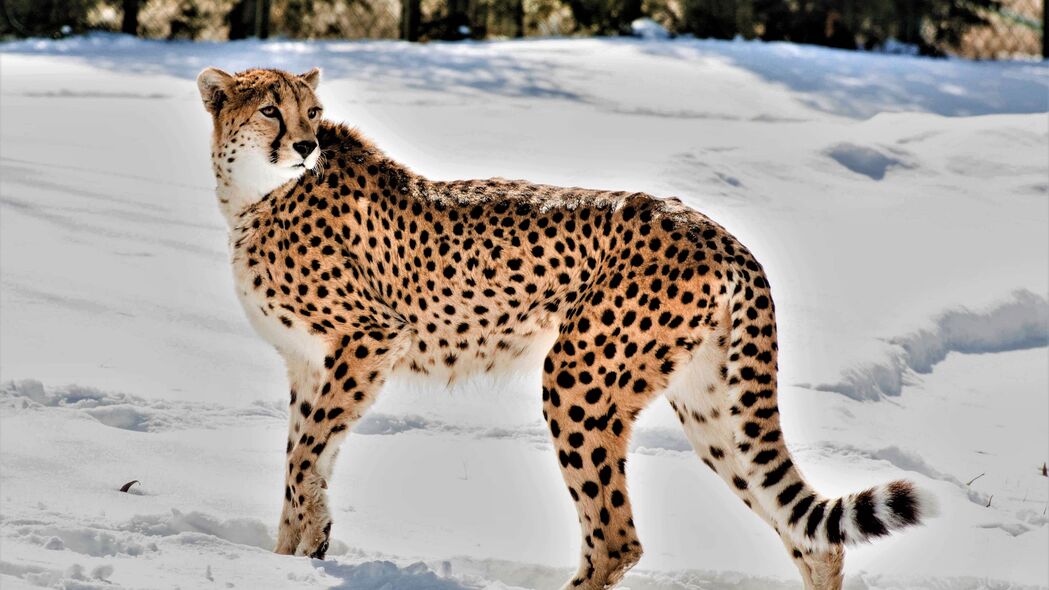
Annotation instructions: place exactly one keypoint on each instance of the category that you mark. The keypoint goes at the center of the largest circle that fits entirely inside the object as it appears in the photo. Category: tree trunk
(457, 19)
(241, 20)
(631, 11)
(262, 19)
(129, 25)
(411, 14)
(519, 18)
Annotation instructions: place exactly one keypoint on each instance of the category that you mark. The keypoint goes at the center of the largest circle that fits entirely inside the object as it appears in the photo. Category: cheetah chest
(281, 328)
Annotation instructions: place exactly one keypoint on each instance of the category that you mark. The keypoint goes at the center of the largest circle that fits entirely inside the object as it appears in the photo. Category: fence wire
(1012, 31)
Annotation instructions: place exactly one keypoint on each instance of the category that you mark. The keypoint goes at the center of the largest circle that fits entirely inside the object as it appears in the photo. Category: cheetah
(355, 268)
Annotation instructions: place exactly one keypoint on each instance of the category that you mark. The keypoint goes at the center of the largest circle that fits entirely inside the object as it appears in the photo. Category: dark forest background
(970, 28)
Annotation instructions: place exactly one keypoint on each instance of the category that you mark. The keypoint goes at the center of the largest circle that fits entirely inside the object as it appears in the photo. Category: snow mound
(243, 531)
(883, 582)
(137, 535)
(129, 412)
(656, 440)
(647, 28)
(1019, 323)
(526, 575)
(85, 540)
(75, 577)
(379, 423)
(910, 461)
(847, 83)
(864, 160)
(385, 575)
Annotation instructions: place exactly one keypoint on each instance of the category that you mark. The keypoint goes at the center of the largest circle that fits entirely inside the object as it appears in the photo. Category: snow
(864, 160)
(647, 28)
(1017, 323)
(899, 205)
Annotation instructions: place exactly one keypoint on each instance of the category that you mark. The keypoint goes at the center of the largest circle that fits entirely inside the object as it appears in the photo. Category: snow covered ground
(900, 205)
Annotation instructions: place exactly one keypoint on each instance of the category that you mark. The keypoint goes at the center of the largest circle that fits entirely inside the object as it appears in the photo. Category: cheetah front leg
(304, 380)
(351, 378)
(590, 408)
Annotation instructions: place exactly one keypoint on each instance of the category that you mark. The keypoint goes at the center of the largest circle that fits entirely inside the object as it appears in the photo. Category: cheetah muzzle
(353, 267)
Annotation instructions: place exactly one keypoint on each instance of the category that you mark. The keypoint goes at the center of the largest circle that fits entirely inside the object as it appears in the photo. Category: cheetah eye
(269, 111)
(314, 112)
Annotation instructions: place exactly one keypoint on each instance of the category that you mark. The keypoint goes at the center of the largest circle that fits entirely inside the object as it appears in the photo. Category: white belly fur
(296, 340)
(526, 353)
(525, 356)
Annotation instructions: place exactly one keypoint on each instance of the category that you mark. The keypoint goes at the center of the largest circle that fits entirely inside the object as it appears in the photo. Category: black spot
(752, 429)
(766, 456)
(598, 456)
(565, 379)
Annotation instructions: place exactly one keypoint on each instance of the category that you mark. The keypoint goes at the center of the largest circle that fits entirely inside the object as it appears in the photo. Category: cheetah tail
(867, 515)
(813, 521)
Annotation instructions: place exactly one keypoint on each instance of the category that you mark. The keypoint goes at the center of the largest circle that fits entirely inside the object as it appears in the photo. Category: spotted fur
(354, 267)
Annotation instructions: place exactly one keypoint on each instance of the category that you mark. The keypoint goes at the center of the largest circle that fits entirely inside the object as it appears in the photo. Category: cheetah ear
(312, 77)
(214, 85)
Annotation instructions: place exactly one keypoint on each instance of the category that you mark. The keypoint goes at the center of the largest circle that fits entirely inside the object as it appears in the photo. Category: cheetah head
(265, 126)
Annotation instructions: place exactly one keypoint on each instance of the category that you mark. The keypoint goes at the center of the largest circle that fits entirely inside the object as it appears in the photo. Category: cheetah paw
(314, 542)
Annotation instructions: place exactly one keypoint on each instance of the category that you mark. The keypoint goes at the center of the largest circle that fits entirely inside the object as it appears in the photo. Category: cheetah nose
(304, 148)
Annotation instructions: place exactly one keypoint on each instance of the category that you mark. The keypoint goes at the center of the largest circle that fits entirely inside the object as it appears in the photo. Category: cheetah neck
(238, 189)
(233, 200)
(243, 183)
